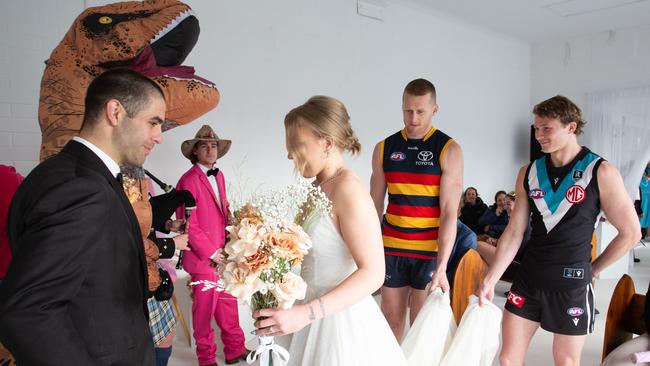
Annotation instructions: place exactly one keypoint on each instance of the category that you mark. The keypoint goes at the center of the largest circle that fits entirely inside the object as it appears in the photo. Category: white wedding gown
(357, 335)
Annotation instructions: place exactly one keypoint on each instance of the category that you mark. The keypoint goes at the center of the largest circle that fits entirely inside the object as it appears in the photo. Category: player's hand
(439, 279)
(485, 293)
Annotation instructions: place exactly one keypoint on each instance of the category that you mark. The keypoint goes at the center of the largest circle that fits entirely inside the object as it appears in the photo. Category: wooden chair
(469, 274)
(594, 242)
(181, 320)
(625, 315)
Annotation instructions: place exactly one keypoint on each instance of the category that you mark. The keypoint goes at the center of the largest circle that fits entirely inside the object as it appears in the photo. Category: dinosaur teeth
(179, 18)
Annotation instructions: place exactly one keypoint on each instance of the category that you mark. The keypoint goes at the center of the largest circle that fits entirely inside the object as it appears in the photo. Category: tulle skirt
(358, 335)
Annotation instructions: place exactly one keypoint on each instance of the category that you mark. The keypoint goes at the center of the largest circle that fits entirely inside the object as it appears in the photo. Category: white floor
(538, 354)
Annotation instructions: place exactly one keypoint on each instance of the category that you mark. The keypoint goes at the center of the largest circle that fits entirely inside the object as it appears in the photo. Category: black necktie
(213, 172)
(119, 178)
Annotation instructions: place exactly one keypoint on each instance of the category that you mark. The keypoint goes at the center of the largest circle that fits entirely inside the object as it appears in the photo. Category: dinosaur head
(151, 37)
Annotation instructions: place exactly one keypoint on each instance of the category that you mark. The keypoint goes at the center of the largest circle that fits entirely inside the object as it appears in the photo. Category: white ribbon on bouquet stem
(278, 355)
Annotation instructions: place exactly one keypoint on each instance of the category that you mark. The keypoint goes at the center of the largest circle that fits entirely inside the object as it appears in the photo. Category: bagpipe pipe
(163, 207)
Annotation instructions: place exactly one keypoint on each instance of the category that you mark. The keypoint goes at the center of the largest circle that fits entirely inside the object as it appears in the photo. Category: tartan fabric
(162, 319)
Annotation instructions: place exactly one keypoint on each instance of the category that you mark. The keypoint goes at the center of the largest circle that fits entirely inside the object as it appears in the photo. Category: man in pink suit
(206, 229)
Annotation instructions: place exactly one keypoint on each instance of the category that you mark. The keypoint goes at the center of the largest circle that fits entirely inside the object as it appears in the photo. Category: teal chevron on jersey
(562, 220)
(552, 197)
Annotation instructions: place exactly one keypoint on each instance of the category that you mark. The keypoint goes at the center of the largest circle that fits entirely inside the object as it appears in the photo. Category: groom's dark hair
(133, 90)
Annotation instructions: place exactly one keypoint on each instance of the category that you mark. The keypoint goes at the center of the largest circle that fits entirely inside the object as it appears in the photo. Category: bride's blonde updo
(326, 117)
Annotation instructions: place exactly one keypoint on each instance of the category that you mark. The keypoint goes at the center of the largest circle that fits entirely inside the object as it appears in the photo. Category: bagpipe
(163, 207)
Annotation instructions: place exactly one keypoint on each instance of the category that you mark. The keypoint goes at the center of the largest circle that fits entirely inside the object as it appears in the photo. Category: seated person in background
(636, 349)
(495, 219)
(487, 246)
(472, 207)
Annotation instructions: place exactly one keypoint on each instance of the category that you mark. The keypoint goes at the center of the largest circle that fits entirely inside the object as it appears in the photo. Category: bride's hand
(277, 322)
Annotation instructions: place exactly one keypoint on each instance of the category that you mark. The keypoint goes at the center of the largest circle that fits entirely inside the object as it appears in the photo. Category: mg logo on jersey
(397, 156)
(575, 312)
(575, 194)
(537, 193)
(515, 299)
(425, 155)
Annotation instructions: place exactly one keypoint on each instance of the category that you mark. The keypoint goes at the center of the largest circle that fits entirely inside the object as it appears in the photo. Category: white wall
(267, 57)
(29, 30)
(602, 61)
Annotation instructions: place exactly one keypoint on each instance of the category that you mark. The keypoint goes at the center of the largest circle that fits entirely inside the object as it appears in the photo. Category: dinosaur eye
(105, 20)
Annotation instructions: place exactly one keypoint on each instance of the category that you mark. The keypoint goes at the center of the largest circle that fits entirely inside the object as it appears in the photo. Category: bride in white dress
(338, 323)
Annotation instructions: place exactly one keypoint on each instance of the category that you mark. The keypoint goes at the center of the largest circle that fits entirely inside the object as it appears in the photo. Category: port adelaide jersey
(564, 204)
(412, 171)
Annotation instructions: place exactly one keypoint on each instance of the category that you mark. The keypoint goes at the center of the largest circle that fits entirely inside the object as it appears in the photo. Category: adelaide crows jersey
(412, 171)
(564, 204)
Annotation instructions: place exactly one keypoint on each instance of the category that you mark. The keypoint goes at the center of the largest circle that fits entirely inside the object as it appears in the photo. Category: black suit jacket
(75, 292)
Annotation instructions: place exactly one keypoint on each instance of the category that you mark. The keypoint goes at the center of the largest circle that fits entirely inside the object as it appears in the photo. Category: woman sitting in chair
(487, 245)
(635, 351)
(471, 209)
(495, 219)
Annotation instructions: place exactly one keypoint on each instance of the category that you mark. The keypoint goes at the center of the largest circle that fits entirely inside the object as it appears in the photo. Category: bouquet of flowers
(266, 244)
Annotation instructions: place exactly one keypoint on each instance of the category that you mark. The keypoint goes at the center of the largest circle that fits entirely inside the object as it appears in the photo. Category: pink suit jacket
(207, 223)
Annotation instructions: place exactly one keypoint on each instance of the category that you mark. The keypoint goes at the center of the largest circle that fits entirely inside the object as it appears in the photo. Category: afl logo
(425, 155)
(575, 311)
(575, 194)
(397, 156)
(537, 193)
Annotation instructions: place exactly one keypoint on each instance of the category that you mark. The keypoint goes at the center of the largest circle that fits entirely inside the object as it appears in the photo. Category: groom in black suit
(75, 293)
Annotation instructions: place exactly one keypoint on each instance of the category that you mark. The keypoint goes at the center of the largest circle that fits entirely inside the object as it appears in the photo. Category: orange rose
(257, 262)
(284, 245)
(247, 212)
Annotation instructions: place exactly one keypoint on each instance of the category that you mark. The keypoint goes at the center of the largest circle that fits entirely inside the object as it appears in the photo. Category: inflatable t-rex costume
(151, 37)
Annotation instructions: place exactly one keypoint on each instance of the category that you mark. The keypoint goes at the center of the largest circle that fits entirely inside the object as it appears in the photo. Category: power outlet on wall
(371, 8)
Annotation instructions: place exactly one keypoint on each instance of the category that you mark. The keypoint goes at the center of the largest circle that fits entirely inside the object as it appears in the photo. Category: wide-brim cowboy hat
(205, 134)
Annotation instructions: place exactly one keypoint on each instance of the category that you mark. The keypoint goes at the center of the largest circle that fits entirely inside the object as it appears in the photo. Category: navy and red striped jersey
(412, 170)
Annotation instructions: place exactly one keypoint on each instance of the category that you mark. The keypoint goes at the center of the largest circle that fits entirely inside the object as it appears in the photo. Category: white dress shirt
(110, 163)
(213, 182)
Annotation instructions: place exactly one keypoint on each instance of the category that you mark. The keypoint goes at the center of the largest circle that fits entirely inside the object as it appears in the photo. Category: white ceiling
(536, 21)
